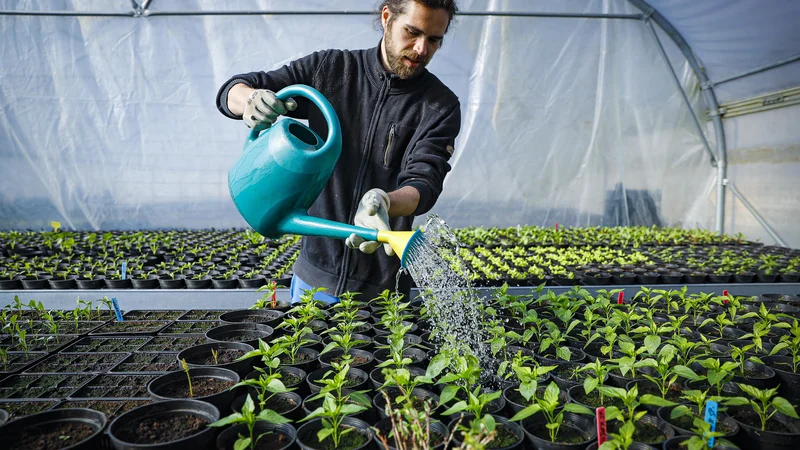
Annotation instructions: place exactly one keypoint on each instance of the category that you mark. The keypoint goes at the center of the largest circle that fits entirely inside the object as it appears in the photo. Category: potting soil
(162, 428)
(51, 436)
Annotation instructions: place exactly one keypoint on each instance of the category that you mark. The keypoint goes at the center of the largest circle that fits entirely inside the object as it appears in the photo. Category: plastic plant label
(621, 298)
(116, 309)
(602, 431)
(711, 418)
(124, 270)
(55, 225)
(556, 226)
(725, 294)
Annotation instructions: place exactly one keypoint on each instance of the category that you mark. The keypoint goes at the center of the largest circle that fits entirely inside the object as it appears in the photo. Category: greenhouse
(574, 227)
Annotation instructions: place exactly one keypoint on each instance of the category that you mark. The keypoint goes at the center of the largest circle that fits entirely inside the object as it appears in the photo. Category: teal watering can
(285, 167)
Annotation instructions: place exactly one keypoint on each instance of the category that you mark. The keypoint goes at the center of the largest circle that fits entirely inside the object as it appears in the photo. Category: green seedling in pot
(292, 343)
(688, 351)
(548, 404)
(215, 355)
(248, 417)
(621, 440)
(269, 355)
(629, 362)
(396, 345)
(631, 399)
(266, 386)
(764, 402)
(667, 373)
(718, 373)
(791, 342)
(596, 373)
(698, 400)
(701, 439)
(556, 338)
(188, 377)
(336, 406)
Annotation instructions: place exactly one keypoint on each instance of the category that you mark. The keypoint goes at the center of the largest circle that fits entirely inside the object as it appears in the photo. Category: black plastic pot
(98, 282)
(648, 278)
(33, 283)
(269, 317)
(12, 432)
(751, 436)
(204, 350)
(151, 282)
(168, 282)
(221, 400)
(7, 285)
(308, 360)
(379, 400)
(377, 378)
(675, 444)
(535, 427)
(253, 283)
(664, 413)
(789, 387)
(758, 375)
(384, 428)
(201, 439)
(418, 357)
(119, 284)
(354, 373)
(307, 434)
(3, 417)
(69, 283)
(247, 333)
(325, 359)
(228, 283)
(275, 403)
(722, 278)
(695, 277)
(669, 432)
(744, 277)
(281, 436)
(512, 427)
(203, 283)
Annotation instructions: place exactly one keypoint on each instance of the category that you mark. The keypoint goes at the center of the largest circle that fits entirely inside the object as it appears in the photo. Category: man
(399, 124)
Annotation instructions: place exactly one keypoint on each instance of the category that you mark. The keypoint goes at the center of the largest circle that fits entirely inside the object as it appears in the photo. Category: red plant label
(620, 298)
(725, 294)
(602, 432)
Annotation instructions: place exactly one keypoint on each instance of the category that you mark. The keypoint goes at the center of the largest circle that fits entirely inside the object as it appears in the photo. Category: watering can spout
(282, 171)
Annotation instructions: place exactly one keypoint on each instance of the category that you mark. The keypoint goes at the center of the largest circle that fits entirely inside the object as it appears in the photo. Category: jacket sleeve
(300, 71)
(427, 162)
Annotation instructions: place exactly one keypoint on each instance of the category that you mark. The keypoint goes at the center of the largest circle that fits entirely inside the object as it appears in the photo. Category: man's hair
(398, 7)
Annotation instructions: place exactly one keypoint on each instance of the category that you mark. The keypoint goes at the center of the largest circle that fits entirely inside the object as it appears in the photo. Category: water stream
(454, 307)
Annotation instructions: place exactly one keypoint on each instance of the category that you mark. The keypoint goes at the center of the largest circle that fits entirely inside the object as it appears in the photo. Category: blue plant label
(711, 418)
(124, 270)
(116, 309)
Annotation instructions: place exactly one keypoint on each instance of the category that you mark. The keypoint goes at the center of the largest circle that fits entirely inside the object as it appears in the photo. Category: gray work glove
(263, 108)
(373, 212)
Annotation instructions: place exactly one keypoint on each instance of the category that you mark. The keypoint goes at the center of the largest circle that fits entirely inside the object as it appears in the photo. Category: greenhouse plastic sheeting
(110, 123)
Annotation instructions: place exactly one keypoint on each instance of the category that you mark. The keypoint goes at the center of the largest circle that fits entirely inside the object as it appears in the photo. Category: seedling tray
(22, 408)
(64, 327)
(111, 386)
(38, 342)
(18, 361)
(111, 408)
(153, 315)
(191, 327)
(151, 362)
(203, 314)
(45, 385)
(132, 328)
(102, 344)
(173, 343)
(78, 363)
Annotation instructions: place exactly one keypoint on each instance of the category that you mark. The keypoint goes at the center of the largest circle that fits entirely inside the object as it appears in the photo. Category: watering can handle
(302, 90)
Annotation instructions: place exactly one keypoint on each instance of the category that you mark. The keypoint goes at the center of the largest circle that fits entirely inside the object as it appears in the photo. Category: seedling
(215, 355)
(188, 377)
(548, 404)
(765, 403)
(249, 418)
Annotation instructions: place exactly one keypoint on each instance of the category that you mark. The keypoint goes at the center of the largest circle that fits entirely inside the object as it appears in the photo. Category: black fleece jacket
(395, 133)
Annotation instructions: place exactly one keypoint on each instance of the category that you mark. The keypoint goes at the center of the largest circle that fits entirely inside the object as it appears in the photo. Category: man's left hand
(373, 212)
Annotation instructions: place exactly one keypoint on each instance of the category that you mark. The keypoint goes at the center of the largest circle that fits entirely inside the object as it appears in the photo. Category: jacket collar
(377, 74)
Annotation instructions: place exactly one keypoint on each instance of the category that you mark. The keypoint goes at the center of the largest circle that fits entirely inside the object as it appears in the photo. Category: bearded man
(399, 123)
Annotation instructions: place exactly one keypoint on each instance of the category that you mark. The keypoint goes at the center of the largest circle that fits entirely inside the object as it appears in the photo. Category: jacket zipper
(388, 146)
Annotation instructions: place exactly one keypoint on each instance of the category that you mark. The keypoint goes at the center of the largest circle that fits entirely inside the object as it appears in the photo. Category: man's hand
(263, 108)
(373, 212)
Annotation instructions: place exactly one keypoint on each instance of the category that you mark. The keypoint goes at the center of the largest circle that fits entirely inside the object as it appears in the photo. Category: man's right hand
(263, 108)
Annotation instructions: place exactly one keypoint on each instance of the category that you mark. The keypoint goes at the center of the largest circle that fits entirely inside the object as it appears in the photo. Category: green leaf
(526, 412)
(490, 423)
(750, 390)
(349, 409)
(271, 416)
(324, 433)
(577, 409)
(457, 407)
(551, 393)
(242, 443)
(686, 372)
(589, 384)
(680, 411)
(448, 394)
(778, 347)
(233, 418)
(735, 401)
(652, 342)
(437, 365)
(612, 412)
(329, 347)
(784, 407)
(715, 377)
(649, 399)
(276, 386)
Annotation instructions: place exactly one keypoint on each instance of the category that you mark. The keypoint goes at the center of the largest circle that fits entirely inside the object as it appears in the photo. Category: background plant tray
(38, 342)
(172, 343)
(108, 344)
(18, 361)
(150, 362)
(153, 315)
(47, 386)
(108, 386)
(78, 363)
(22, 408)
(132, 327)
(111, 408)
(64, 326)
(190, 326)
(203, 314)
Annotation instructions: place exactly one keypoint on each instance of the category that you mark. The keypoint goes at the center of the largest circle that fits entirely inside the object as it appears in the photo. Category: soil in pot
(51, 436)
(162, 428)
(749, 417)
(357, 438)
(201, 387)
(646, 432)
(224, 356)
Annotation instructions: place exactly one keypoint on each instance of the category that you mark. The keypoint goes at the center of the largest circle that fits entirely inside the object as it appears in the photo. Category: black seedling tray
(173, 343)
(131, 328)
(44, 385)
(203, 314)
(150, 362)
(26, 407)
(19, 361)
(153, 315)
(191, 327)
(112, 386)
(111, 344)
(78, 363)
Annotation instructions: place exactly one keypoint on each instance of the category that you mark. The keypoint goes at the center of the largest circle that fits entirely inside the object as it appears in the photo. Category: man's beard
(396, 62)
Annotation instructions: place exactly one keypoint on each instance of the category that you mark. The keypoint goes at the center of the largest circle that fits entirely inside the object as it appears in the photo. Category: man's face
(410, 39)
